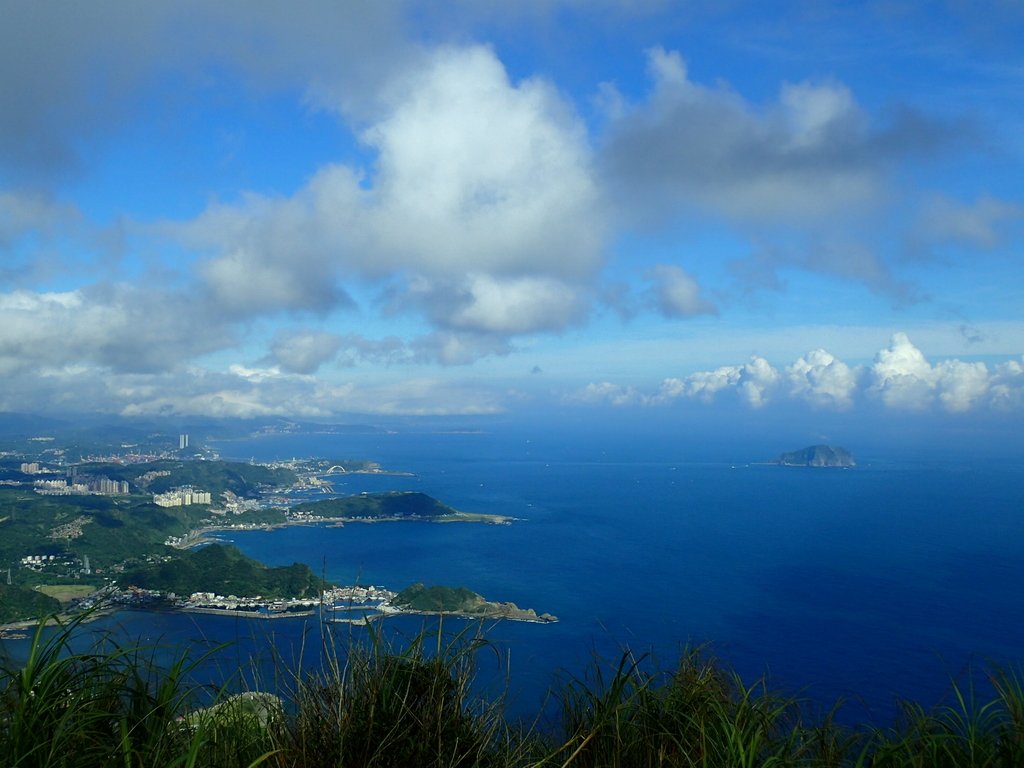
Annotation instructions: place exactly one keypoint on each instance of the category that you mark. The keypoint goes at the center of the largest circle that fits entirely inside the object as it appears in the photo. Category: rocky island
(817, 456)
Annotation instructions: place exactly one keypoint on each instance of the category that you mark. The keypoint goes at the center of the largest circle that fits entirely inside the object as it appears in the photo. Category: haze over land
(810, 216)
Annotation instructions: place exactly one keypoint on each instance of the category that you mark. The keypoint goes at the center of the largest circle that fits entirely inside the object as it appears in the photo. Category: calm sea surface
(868, 584)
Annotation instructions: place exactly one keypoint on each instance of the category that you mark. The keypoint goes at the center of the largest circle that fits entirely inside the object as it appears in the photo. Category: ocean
(867, 585)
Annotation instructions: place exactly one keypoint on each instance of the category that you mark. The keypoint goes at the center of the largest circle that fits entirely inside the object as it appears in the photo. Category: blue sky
(315, 209)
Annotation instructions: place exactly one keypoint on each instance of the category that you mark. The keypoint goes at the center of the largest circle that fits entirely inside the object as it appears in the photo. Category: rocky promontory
(460, 601)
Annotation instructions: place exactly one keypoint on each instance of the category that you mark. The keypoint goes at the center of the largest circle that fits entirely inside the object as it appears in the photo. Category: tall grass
(388, 706)
(380, 704)
(111, 706)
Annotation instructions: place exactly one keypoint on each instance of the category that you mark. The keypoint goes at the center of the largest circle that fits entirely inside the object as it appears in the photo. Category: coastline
(198, 537)
(53, 620)
(204, 535)
(525, 616)
(381, 612)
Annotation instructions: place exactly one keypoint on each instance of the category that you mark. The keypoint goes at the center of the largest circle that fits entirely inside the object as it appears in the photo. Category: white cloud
(961, 386)
(903, 378)
(605, 393)
(482, 204)
(1007, 390)
(900, 377)
(243, 391)
(482, 190)
(481, 303)
(754, 382)
(116, 327)
(475, 172)
(822, 379)
(703, 385)
(757, 379)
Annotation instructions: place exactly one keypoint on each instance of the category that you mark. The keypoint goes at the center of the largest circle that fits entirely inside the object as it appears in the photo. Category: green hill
(463, 602)
(394, 504)
(214, 476)
(224, 570)
(439, 599)
(19, 603)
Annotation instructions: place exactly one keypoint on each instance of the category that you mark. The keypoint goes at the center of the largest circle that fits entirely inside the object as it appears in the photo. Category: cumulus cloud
(903, 378)
(822, 379)
(754, 382)
(476, 172)
(480, 303)
(482, 197)
(1007, 385)
(605, 393)
(116, 327)
(900, 378)
(473, 172)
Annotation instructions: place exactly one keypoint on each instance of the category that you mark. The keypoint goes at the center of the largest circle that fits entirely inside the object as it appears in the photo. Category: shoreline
(243, 613)
(29, 626)
(198, 536)
(526, 619)
(54, 620)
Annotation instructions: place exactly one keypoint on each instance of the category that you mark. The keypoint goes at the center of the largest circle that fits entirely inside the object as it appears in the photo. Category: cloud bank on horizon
(394, 208)
(900, 378)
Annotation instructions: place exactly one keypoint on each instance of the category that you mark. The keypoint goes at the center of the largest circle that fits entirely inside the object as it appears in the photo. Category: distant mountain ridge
(817, 456)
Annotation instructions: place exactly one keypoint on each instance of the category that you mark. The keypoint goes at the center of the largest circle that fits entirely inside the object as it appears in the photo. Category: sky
(317, 209)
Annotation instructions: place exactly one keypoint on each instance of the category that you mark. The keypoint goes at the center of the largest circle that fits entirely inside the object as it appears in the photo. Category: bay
(871, 584)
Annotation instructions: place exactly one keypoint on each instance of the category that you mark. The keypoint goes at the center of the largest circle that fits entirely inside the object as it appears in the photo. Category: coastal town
(138, 529)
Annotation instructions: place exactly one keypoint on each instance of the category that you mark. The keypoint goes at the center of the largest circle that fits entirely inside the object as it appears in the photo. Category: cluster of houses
(185, 496)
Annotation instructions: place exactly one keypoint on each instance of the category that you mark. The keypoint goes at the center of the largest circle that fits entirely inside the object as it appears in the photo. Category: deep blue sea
(870, 584)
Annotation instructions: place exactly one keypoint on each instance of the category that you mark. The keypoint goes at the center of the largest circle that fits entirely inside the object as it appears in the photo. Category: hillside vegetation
(108, 529)
(394, 504)
(224, 570)
(375, 705)
(419, 597)
(214, 476)
(17, 603)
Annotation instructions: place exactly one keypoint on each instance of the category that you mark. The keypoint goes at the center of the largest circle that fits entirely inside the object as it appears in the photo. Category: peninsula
(459, 601)
(126, 531)
(392, 505)
(817, 456)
